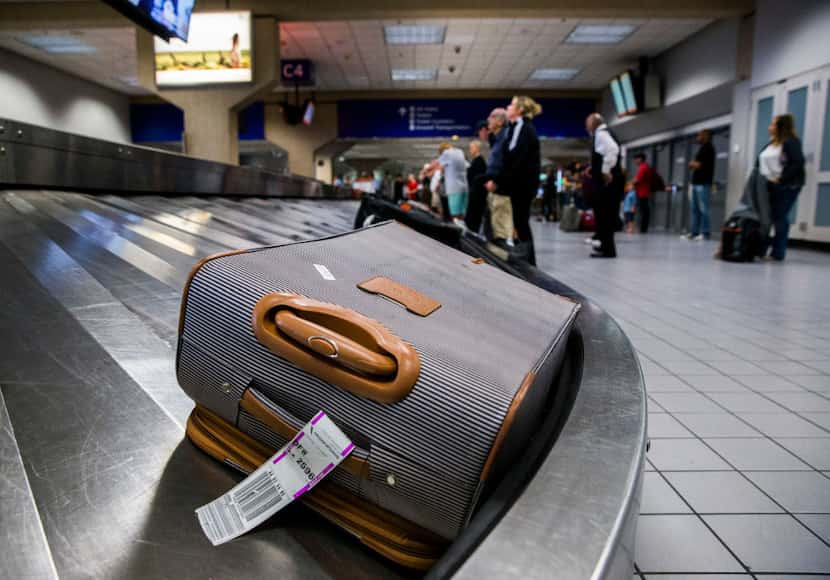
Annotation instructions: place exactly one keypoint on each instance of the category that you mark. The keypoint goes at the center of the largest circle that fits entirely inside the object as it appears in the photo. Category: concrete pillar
(740, 158)
(301, 141)
(324, 168)
(210, 113)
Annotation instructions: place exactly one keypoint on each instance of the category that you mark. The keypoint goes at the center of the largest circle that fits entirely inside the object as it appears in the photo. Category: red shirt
(642, 183)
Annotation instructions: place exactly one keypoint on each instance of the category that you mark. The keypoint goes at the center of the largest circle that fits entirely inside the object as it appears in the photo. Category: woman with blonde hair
(781, 163)
(519, 174)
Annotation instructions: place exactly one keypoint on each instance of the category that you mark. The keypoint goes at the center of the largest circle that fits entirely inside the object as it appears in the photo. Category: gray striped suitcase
(435, 364)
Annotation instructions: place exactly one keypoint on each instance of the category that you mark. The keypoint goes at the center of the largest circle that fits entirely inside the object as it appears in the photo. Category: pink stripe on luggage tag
(346, 451)
(280, 456)
(301, 492)
(317, 417)
(323, 473)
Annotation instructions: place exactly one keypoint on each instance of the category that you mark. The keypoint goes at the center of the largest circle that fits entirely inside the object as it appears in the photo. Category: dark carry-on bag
(571, 219)
(436, 366)
(374, 210)
(740, 240)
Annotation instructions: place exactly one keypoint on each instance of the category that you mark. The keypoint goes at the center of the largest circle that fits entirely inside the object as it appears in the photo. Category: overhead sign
(297, 71)
(402, 118)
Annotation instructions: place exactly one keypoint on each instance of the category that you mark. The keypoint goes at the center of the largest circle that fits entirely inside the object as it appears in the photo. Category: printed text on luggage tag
(293, 470)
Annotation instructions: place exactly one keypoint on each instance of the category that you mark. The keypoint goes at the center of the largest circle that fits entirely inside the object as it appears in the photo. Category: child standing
(630, 208)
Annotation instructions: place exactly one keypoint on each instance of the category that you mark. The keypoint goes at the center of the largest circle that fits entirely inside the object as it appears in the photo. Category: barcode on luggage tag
(313, 453)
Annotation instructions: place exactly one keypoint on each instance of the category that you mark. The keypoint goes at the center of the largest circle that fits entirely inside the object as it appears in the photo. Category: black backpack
(740, 240)
(657, 182)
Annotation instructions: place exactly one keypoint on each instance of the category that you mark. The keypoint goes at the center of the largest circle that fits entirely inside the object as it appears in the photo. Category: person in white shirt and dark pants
(607, 177)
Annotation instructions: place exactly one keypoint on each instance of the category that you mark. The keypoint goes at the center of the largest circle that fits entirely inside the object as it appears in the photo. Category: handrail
(34, 156)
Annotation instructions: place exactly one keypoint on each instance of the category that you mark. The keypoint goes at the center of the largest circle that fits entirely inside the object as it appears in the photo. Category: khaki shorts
(501, 215)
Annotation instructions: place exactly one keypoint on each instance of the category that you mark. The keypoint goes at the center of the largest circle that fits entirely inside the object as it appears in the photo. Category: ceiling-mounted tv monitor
(308, 115)
(218, 51)
(628, 93)
(164, 18)
(619, 101)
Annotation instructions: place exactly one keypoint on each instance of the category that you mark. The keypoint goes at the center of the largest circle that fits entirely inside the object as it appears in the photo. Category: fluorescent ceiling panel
(58, 44)
(554, 74)
(415, 34)
(600, 33)
(413, 74)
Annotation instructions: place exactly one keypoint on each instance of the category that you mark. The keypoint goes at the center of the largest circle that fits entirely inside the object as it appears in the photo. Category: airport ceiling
(492, 53)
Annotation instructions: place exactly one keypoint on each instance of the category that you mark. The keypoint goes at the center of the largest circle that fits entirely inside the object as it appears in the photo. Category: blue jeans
(782, 200)
(700, 210)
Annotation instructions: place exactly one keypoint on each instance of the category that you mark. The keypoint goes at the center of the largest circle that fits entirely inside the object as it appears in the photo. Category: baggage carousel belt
(96, 478)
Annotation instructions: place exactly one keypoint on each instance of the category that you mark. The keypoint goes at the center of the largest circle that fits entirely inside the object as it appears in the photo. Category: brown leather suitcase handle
(334, 345)
(252, 405)
(338, 345)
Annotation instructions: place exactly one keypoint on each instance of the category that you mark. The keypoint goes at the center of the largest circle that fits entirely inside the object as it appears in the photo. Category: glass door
(819, 225)
(661, 200)
(717, 204)
(796, 105)
(681, 193)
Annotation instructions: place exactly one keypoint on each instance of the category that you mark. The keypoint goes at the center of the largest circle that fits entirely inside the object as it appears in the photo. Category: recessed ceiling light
(57, 43)
(600, 33)
(413, 74)
(132, 81)
(415, 34)
(554, 74)
(71, 49)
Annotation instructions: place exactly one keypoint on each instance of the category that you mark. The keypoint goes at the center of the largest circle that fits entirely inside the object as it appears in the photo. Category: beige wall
(35, 93)
(300, 141)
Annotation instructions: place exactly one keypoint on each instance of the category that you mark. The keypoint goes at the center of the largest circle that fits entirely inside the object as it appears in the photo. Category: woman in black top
(519, 175)
(784, 181)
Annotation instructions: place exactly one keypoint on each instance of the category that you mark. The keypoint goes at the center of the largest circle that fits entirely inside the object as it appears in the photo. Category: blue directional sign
(402, 118)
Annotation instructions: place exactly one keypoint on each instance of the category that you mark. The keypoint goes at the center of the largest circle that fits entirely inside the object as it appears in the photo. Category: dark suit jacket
(519, 175)
(477, 168)
(792, 159)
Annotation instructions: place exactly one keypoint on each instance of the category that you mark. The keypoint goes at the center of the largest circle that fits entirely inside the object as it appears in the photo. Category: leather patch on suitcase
(411, 299)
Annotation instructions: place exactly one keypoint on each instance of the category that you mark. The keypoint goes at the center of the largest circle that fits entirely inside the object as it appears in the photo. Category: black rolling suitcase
(740, 240)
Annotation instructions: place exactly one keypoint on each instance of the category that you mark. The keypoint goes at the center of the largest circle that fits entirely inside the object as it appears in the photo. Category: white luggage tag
(293, 470)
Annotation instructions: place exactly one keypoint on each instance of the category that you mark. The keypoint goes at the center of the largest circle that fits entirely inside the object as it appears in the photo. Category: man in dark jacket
(703, 174)
(397, 190)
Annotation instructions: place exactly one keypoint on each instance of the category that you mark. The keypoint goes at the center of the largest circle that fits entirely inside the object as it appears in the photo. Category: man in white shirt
(606, 175)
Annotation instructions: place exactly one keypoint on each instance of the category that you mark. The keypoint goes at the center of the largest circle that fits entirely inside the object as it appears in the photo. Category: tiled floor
(736, 359)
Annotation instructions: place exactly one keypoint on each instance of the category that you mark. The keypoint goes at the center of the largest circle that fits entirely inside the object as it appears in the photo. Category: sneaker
(698, 238)
(590, 241)
(687, 237)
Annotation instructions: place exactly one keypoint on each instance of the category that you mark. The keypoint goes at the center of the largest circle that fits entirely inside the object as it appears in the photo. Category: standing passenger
(607, 181)
(642, 184)
(500, 226)
(520, 170)
(781, 162)
(703, 173)
(478, 195)
(454, 168)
